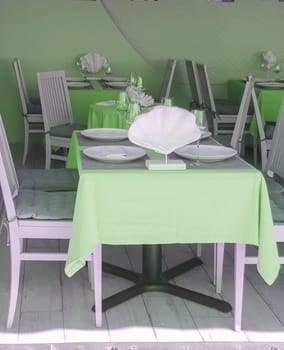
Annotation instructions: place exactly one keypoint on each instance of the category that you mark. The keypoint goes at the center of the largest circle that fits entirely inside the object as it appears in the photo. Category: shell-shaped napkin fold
(135, 94)
(93, 62)
(164, 129)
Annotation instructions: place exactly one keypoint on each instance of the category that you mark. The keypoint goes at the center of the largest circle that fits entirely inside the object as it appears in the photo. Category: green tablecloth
(269, 102)
(158, 207)
(106, 117)
(81, 99)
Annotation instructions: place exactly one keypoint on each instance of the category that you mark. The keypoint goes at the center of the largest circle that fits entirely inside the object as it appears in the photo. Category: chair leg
(97, 277)
(240, 250)
(26, 140)
(15, 279)
(254, 147)
(47, 152)
(198, 250)
(91, 274)
(218, 265)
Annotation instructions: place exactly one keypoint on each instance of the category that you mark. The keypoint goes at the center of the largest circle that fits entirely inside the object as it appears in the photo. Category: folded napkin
(93, 62)
(164, 129)
(137, 95)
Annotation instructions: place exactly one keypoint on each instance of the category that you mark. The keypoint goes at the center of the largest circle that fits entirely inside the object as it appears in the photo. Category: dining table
(124, 203)
(83, 98)
(269, 100)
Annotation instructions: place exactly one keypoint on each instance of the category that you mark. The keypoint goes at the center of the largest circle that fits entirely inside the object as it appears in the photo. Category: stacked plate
(271, 85)
(105, 134)
(78, 84)
(114, 154)
(206, 153)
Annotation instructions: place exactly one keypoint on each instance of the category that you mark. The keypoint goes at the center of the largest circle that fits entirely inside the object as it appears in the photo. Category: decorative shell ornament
(270, 60)
(164, 129)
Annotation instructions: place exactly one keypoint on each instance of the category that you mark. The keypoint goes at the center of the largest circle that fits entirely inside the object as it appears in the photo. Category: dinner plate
(205, 135)
(114, 154)
(105, 134)
(106, 103)
(271, 85)
(75, 79)
(114, 79)
(78, 84)
(206, 153)
(117, 83)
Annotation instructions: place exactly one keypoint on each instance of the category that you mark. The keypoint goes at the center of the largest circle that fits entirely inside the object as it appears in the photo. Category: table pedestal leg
(152, 279)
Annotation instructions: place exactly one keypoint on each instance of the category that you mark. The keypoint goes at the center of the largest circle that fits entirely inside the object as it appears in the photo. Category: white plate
(206, 153)
(114, 154)
(115, 79)
(106, 103)
(271, 85)
(78, 84)
(117, 83)
(205, 135)
(105, 134)
(75, 79)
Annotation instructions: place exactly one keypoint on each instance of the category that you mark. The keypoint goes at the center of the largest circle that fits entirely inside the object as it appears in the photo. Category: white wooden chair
(236, 142)
(50, 180)
(31, 108)
(192, 75)
(274, 169)
(57, 113)
(221, 113)
(34, 214)
(168, 78)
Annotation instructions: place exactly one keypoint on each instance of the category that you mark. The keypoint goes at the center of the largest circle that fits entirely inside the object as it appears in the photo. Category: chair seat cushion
(226, 107)
(65, 130)
(34, 108)
(276, 195)
(269, 130)
(48, 179)
(42, 205)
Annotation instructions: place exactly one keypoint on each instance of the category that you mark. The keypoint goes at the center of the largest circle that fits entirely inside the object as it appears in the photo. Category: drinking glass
(133, 111)
(132, 79)
(167, 101)
(122, 101)
(201, 122)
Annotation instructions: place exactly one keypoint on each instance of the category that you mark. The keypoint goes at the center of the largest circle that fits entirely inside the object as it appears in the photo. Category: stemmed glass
(133, 111)
(201, 122)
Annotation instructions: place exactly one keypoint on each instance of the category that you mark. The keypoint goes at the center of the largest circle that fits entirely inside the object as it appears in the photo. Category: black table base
(152, 279)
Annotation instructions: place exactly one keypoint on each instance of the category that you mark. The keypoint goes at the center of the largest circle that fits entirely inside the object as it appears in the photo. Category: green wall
(138, 36)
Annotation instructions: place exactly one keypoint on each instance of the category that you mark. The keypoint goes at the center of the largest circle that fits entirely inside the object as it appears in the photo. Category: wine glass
(167, 101)
(133, 111)
(201, 122)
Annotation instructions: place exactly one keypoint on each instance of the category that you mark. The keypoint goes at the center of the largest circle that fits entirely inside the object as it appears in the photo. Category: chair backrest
(275, 161)
(8, 162)
(208, 103)
(239, 129)
(192, 75)
(168, 78)
(9, 185)
(55, 100)
(205, 87)
(21, 85)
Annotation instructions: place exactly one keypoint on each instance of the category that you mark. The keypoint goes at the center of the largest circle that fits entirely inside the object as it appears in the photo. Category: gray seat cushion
(276, 195)
(42, 205)
(48, 179)
(34, 108)
(226, 107)
(65, 130)
(269, 130)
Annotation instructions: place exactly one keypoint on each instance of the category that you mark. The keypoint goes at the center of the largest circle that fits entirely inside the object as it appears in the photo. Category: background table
(81, 99)
(269, 102)
(106, 117)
